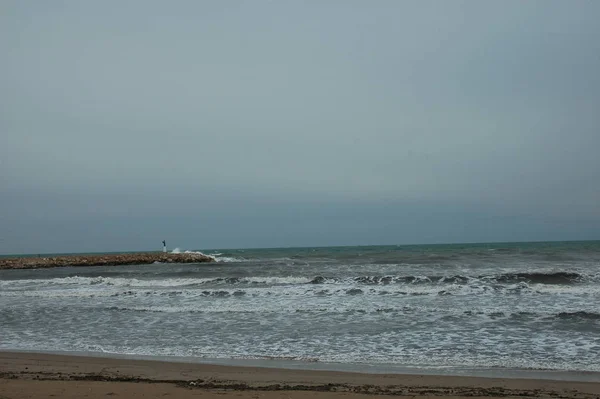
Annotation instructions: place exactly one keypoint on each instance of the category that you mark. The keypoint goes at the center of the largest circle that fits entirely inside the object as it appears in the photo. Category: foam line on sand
(44, 375)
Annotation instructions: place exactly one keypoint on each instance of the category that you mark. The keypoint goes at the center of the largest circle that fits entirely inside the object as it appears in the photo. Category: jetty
(143, 258)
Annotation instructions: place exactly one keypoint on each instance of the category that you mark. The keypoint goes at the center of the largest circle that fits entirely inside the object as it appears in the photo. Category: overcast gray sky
(224, 124)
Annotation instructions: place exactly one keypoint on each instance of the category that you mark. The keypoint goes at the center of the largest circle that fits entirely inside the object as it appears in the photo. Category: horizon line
(297, 247)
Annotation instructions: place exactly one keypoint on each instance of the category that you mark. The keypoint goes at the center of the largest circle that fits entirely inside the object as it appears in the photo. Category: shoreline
(352, 368)
(140, 258)
(40, 372)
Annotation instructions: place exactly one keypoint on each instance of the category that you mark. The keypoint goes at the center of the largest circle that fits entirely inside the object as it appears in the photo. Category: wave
(228, 259)
(356, 308)
(179, 251)
(552, 278)
(441, 284)
(159, 283)
(302, 292)
(542, 278)
(217, 257)
(581, 315)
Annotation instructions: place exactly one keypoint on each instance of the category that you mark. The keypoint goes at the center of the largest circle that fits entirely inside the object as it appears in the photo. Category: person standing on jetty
(164, 246)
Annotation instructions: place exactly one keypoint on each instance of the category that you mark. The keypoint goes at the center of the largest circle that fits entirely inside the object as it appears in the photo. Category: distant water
(522, 305)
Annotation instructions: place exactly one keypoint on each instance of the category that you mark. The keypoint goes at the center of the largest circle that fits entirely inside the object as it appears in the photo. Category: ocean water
(436, 307)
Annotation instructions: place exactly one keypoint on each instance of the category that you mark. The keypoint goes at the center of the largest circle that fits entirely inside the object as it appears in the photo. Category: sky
(236, 124)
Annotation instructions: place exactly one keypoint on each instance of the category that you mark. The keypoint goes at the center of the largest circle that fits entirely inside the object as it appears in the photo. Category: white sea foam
(277, 280)
(217, 256)
(229, 259)
(133, 282)
(101, 281)
(179, 251)
(473, 287)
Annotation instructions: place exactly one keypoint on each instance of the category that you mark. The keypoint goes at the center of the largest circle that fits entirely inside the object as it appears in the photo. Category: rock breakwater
(144, 258)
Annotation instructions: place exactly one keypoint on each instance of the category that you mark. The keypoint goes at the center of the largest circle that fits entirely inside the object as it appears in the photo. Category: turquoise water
(430, 307)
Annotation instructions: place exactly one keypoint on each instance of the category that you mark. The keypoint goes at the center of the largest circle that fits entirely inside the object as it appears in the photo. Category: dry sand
(32, 375)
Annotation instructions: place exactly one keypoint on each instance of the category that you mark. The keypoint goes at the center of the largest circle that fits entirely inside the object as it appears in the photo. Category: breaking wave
(555, 278)
(216, 256)
(134, 282)
(511, 281)
(390, 311)
(179, 251)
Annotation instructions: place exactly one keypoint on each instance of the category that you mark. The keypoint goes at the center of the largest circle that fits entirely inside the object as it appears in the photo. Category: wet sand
(142, 258)
(33, 375)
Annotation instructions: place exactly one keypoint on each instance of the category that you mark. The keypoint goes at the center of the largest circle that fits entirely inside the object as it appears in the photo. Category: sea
(423, 308)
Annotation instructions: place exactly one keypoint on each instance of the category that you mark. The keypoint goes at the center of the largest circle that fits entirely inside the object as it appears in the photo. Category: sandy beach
(34, 375)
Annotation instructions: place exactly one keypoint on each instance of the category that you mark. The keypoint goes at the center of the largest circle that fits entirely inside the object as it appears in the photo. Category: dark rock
(143, 258)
